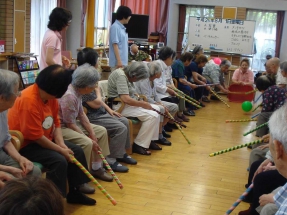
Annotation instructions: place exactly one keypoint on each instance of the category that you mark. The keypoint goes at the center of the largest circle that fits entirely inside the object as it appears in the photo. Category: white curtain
(40, 11)
(264, 36)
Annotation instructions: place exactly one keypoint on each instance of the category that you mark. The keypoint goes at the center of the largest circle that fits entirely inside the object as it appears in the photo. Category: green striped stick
(214, 93)
(256, 107)
(185, 99)
(235, 147)
(179, 128)
(240, 120)
(255, 129)
(183, 94)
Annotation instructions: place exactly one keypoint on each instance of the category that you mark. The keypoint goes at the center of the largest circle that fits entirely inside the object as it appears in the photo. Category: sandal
(154, 146)
(140, 150)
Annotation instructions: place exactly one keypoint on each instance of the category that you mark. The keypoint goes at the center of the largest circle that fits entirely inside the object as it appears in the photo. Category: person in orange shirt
(35, 114)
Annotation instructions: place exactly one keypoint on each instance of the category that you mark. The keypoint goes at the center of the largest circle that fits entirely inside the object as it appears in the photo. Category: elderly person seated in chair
(120, 84)
(35, 114)
(101, 114)
(138, 55)
(11, 161)
(76, 126)
(147, 87)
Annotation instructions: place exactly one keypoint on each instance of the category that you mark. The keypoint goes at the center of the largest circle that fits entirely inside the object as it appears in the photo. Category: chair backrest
(104, 87)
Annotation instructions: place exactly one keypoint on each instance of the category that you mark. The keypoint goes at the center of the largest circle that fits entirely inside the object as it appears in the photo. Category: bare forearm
(74, 127)
(4, 168)
(132, 102)
(11, 151)
(48, 144)
(117, 53)
(58, 137)
(86, 124)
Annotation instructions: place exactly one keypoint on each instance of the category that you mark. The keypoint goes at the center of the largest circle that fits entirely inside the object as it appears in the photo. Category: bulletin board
(226, 35)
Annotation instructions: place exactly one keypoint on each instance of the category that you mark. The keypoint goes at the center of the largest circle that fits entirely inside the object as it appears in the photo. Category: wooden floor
(183, 179)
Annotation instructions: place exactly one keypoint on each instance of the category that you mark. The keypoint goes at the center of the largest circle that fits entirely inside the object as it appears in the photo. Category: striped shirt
(118, 84)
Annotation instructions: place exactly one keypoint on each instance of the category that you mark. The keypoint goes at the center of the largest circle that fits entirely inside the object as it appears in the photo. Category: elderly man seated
(273, 65)
(138, 55)
(11, 161)
(120, 84)
(215, 74)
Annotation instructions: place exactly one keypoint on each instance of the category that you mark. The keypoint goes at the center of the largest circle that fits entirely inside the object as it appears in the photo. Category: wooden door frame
(23, 26)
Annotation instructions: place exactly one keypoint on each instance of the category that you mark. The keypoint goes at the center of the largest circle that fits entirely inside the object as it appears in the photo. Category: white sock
(96, 165)
(111, 160)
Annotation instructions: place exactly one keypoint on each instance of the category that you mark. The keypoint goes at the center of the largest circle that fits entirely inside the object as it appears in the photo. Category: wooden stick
(75, 161)
(110, 170)
(163, 114)
(235, 147)
(255, 129)
(241, 120)
(179, 128)
(214, 93)
(184, 95)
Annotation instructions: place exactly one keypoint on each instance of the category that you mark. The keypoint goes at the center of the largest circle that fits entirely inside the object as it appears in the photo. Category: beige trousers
(86, 143)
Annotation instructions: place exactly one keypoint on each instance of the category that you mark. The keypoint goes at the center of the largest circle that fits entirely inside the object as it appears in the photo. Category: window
(264, 36)
(101, 22)
(198, 11)
(40, 11)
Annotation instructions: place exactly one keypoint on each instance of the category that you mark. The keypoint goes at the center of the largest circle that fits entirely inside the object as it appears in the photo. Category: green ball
(246, 106)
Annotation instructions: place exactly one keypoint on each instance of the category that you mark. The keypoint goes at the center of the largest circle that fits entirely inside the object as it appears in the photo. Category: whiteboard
(221, 35)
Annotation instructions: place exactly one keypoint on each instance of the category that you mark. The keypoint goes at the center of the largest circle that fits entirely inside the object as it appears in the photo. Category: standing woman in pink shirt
(59, 20)
(243, 75)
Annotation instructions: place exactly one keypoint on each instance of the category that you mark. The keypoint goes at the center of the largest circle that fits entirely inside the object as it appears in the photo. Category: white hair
(8, 80)
(278, 125)
(283, 66)
(154, 68)
(85, 76)
(138, 70)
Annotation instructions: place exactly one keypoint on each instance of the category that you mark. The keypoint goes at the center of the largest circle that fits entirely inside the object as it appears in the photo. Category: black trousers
(59, 169)
(264, 183)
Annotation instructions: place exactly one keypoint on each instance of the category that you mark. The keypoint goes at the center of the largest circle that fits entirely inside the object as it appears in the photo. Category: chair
(134, 123)
(17, 140)
(175, 82)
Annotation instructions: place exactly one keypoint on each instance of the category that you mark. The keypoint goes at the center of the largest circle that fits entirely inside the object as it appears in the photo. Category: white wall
(251, 4)
(73, 32)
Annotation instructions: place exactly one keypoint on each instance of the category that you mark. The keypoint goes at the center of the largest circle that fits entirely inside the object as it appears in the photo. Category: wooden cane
(206, 85)
(75, 161)
(255, 129)
(110, 170)
(184, 95)
(217, 96)
(166, 116)
(179, 128)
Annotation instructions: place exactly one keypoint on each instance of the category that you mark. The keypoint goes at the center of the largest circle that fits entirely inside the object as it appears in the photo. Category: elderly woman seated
(35, 114)
(147, 87)
(120, 84)
(11, 161)
(101, 114)
(243, 75)
(76, 126)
